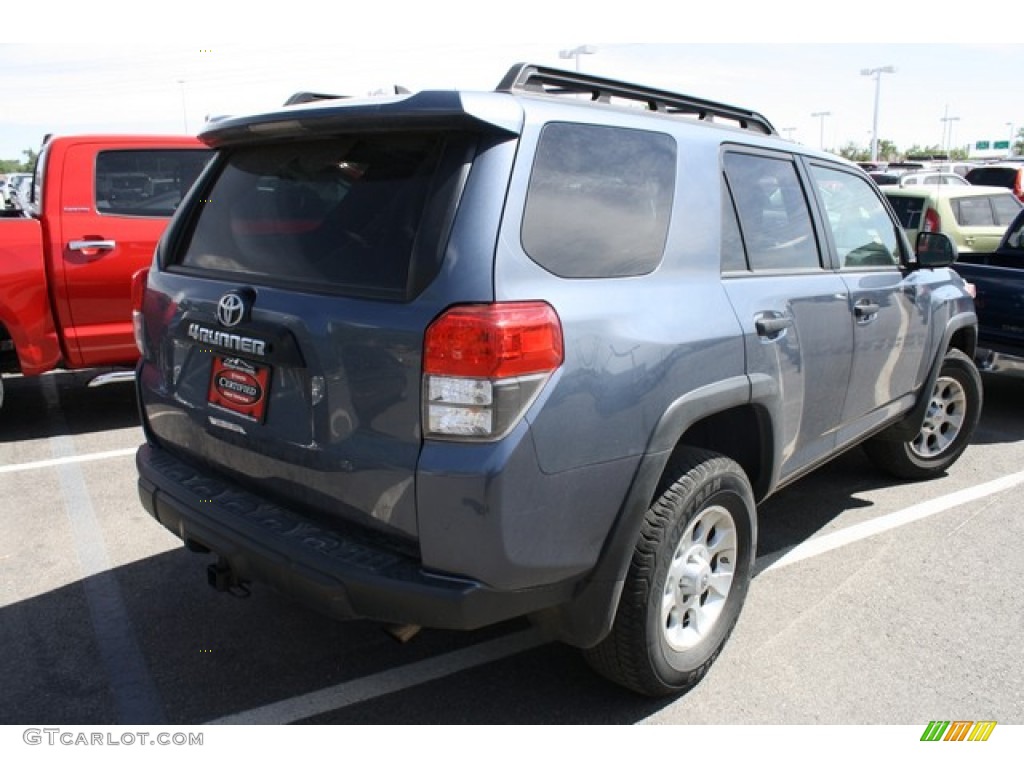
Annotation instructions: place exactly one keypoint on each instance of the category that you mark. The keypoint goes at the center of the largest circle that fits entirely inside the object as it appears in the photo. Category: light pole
(788, 132)
(1010, 152)
(184, 112)
(877, 72)
(947, 130)
(576, 52)
(822, 115)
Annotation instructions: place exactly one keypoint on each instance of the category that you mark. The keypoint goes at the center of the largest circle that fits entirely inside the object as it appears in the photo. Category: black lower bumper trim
(330, 571)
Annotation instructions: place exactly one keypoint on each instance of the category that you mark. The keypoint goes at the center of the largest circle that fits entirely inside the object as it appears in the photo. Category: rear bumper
(340, 573)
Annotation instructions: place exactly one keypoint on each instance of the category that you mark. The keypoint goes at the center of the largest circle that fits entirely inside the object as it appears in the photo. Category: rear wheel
(949, 422)
(687, 580)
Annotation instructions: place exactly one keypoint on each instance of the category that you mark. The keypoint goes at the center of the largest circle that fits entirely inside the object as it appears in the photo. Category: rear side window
(146, 182)
(599, 200)
(989, 211)
(774, 218)
(341, 213)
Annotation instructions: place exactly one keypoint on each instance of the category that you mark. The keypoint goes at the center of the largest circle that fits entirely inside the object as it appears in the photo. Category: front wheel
(949, 422)
(687, 581)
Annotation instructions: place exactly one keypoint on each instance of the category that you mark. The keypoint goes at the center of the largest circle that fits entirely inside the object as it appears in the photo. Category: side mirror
(934, 249)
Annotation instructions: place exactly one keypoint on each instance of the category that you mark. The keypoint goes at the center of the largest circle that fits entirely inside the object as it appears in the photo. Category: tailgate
(286, 337)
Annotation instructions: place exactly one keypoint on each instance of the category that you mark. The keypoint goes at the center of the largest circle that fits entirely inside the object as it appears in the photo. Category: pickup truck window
(862, 231)
(146, 182)
(774, 217)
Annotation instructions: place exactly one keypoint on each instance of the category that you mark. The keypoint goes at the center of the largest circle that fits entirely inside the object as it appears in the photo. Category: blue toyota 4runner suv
(449, 358)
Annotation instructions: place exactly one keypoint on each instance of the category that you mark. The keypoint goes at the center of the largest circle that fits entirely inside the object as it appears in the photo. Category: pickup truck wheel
(687, 580)
(949, 422)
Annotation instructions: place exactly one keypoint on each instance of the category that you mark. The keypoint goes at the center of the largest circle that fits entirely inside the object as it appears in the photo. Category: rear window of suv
(993, 177)
(341, 214)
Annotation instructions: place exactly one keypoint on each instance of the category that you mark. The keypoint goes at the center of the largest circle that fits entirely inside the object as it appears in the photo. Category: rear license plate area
(240, 387)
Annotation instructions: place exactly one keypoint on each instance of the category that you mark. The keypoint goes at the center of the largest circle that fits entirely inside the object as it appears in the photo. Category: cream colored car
(974, 217)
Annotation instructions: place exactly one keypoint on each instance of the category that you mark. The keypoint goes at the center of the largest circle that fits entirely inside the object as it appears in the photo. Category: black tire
(949, 422)
(668, 631)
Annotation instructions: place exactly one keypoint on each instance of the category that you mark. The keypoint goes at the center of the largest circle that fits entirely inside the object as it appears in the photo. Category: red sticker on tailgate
(240, 387)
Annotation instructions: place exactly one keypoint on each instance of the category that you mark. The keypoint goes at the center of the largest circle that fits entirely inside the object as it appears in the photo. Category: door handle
(865, 310)
(771, 326)
(92, 245)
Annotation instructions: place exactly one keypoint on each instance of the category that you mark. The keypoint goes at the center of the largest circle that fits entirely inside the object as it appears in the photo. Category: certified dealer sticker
(240, 387)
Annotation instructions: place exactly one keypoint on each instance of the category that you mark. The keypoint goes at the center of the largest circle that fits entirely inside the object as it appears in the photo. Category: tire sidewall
(728, 489)
(962, 370)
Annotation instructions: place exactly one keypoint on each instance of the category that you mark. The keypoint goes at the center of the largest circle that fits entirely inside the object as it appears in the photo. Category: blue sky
(68, 87)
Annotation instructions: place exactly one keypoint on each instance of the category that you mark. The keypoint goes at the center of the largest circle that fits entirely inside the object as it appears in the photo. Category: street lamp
(822, 115)
(788, 132)
(576, 52)
(947, 131)
(184, 112)
(877, 72)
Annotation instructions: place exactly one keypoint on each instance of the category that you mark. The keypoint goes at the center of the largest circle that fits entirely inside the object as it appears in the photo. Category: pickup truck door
(116, 201)
(889, 309)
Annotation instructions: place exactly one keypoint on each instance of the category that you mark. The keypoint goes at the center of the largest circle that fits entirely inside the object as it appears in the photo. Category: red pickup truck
(97, 207)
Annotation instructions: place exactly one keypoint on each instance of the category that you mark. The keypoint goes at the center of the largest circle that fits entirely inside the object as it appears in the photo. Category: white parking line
(135, 695)
(76, 459)
(389, 681)
(831, 541)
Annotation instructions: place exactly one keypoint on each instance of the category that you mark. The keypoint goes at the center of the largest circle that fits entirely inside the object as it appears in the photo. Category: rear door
(795, 311)
(983, 219)
(116, 200)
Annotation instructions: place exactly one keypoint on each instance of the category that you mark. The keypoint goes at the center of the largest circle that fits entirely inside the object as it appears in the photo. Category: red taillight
(1018, 184)
(138, 288)
(484, 365)
(138, 322)
(932, 222)
(494, 341)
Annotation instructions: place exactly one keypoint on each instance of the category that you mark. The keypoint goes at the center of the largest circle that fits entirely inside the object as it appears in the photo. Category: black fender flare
(588, 617)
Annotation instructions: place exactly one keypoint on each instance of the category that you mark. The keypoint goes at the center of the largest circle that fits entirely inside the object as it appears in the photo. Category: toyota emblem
(230, 309)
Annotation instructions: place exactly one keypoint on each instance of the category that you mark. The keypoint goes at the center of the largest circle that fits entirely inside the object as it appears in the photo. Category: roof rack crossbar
(531, 78)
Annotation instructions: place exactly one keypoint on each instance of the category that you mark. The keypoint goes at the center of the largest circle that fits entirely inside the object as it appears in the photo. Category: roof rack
(531, 78)
(305, 97)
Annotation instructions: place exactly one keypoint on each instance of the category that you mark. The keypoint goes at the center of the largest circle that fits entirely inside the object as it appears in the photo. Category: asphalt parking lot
(874, 603)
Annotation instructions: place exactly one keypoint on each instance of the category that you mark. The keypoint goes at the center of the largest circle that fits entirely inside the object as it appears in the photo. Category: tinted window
(599, 201)
(989, 211)
(733, 258)
(146, 182)
(862, 231)
(992, 177)
(908, 210)
(344, 212)
(774, 218)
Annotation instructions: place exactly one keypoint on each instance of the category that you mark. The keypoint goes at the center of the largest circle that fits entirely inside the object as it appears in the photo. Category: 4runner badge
(231, 309)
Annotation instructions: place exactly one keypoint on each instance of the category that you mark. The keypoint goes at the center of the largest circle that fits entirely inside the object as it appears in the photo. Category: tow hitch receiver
(220, 576)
